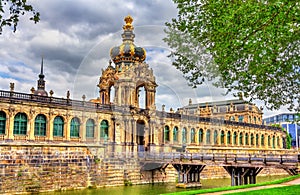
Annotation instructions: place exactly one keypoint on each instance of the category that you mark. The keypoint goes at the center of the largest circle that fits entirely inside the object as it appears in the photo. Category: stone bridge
(243, 168)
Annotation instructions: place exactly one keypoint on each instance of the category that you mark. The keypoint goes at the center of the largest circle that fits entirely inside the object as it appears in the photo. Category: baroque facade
(40, 117)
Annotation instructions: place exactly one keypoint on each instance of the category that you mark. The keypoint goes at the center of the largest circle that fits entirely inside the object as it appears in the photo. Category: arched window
(257, 139)
(241, 118)
(175, 134)
(262, 141)
(228, 137)
(75, 127)
(273, 141)
(40, 125)
(20, 124)
(184, 135)
(167, 134)
(269, 140)
(254, 118)
(58, 126)
(247, 139)
(241, 139)
(193, 135)
(90, 128)
(200, 136)
(104, 130)
(208, 136)
(215, 137)
(278, 141)
(222, 137)
(252, 139)
(235, 138)
(2, 122)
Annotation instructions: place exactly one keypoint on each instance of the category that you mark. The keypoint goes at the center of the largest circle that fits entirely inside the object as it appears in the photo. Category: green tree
(250, 46)
(11, 10)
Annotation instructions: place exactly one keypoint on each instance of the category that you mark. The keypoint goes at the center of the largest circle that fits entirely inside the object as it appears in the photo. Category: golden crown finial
(128, 20)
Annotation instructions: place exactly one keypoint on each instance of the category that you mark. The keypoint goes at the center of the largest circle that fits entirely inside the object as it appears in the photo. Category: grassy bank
(193, 192)
(286, 190)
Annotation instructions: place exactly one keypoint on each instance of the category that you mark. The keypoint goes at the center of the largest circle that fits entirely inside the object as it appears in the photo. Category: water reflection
(156, 188)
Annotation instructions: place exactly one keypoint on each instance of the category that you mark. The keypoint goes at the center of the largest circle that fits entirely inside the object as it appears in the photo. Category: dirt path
(293, 182)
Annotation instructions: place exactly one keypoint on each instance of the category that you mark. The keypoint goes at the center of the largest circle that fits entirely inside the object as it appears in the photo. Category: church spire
(41, 82)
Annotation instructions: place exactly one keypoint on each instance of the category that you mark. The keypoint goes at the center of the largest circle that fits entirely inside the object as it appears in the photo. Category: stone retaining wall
(37, 168)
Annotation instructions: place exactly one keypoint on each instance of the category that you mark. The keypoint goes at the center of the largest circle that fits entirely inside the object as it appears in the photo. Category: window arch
(200, 136)
(184, 135)
(74, 127)
(208, 136)
(215, 137)
(262, 141)
(241, 139)
(241, 118)
(269, 140)
(228, 137)
(193, 135)
(20, 124)
(90, 128)
(175, 134)
(246, 139)
(104, 130)
(40, 125)
(222, 137)
(252, 139)
(167, 133)
(235, 138)
(257, 140)
(58, 126)
(2, 122)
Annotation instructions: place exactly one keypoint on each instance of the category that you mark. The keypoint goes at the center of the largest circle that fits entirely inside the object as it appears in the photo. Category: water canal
(156, 188)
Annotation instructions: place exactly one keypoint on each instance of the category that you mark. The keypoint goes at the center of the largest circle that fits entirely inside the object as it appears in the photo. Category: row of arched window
(215, 137)
(40, 126)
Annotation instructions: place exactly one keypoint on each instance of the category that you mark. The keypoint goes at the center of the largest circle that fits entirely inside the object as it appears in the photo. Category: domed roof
(127, 52)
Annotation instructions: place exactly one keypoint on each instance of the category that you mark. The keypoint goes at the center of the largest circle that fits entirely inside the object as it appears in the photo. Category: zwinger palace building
(122, 125)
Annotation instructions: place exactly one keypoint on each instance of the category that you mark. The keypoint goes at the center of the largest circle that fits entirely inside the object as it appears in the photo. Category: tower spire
(41, 82)
(42, 65)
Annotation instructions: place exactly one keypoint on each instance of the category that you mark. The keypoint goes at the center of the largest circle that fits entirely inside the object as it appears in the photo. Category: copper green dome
(127, 52)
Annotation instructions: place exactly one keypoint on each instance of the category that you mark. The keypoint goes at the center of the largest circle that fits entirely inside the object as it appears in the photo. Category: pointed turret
(41, 82)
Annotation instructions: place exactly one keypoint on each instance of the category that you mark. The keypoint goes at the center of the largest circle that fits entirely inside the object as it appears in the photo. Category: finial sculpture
(12, 87)
(128, 20)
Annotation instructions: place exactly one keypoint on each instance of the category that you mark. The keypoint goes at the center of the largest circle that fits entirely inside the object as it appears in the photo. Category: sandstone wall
(36, 168)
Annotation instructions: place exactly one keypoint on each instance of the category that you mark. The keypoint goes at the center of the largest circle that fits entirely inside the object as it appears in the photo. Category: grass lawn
(193, 192)
(292, 190)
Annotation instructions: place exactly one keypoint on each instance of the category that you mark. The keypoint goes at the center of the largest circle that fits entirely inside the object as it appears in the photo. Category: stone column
(10, 126)
(204, 137)
(197, 136)
(82, 131)
(68, 128)
(50, 127)
(30, 127)
(171, 134)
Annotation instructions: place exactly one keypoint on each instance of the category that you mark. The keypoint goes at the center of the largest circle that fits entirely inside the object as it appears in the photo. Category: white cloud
(75, 37)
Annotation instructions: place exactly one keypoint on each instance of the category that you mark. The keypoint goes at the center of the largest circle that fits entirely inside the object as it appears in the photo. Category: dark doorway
(140, 135)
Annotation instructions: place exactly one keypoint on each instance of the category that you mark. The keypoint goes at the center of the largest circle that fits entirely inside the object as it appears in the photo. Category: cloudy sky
(74, 37)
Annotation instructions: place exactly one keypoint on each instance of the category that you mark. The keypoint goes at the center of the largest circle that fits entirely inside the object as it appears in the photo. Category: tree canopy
(11, 10)
(249, 46)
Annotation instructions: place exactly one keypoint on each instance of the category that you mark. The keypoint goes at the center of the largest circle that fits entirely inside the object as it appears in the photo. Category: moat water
(156, 188)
